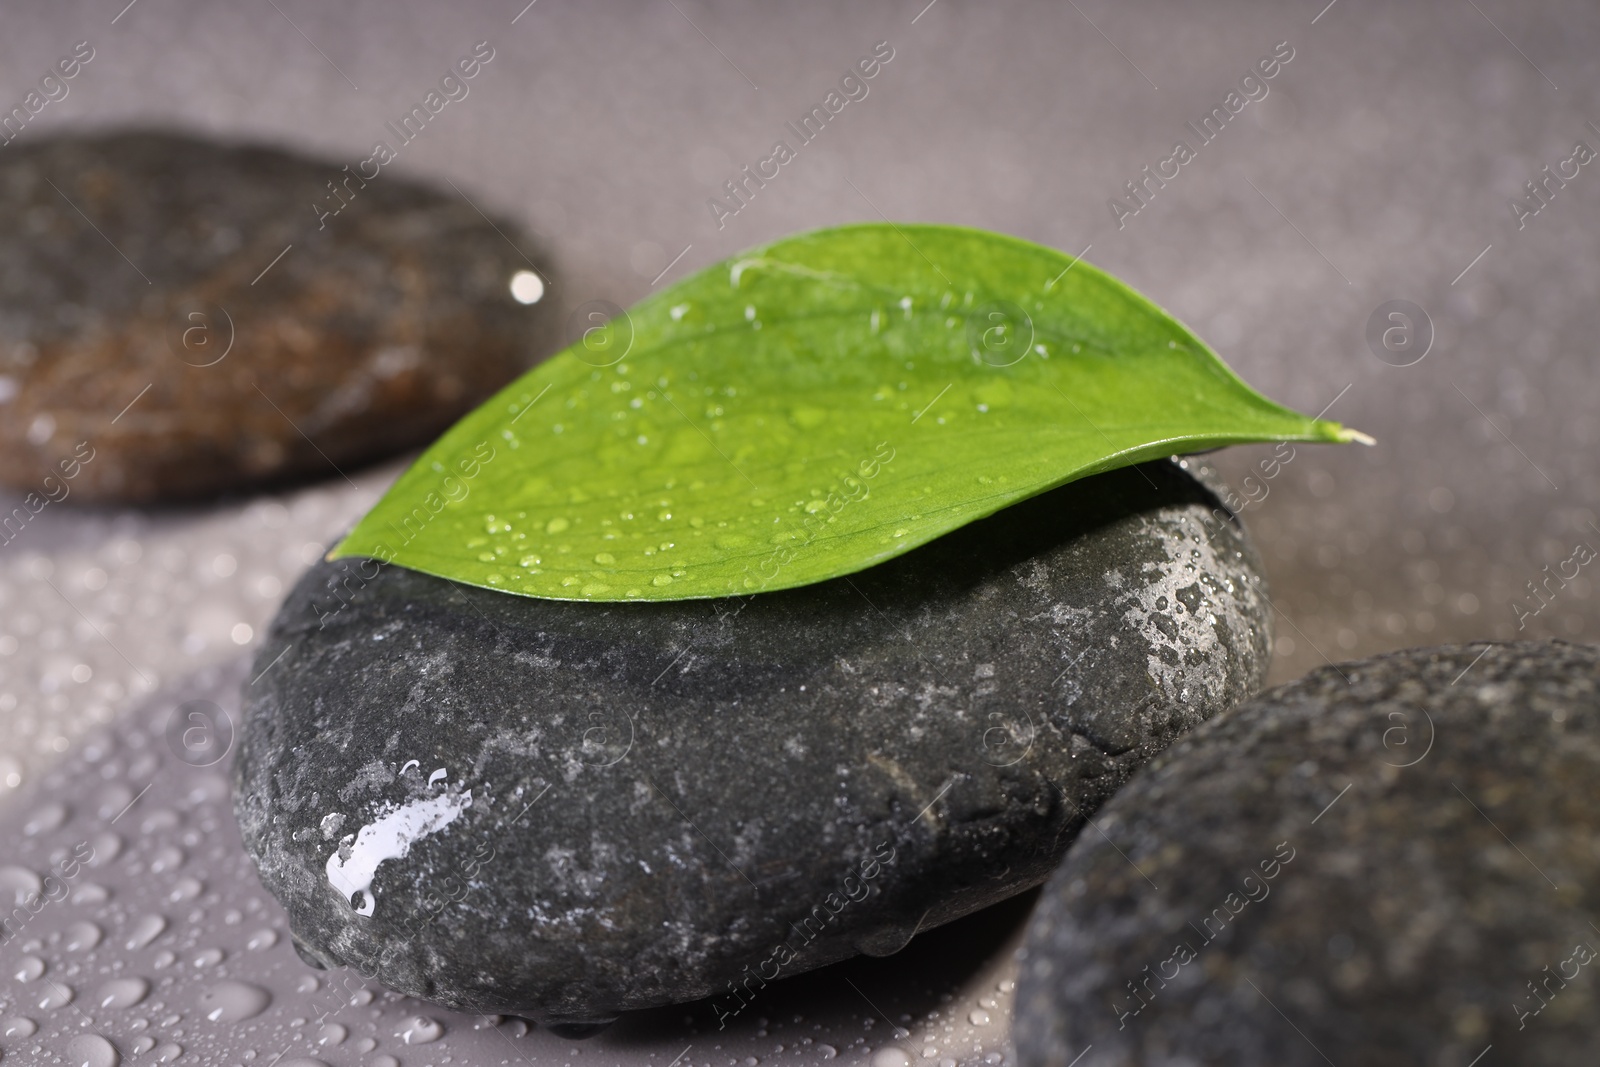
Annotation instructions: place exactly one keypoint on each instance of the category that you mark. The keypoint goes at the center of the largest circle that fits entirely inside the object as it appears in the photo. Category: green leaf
(808, 409)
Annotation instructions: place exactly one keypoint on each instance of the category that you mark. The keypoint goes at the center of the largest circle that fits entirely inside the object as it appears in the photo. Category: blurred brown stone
(131, 261)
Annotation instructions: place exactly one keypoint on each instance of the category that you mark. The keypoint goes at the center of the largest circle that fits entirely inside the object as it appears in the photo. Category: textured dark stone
(381, 326)
(703, 774)
(1403, 920)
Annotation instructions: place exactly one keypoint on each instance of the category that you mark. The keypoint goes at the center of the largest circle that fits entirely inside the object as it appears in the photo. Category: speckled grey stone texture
(662, 795)
(1367, 866)
(176, 310)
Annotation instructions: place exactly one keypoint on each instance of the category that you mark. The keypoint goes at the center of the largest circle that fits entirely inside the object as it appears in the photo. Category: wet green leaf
(806, 410)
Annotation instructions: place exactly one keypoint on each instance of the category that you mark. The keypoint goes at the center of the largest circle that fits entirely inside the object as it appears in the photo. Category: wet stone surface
(154, 345)
(1395, 861)
(136, 931)
(567, 810)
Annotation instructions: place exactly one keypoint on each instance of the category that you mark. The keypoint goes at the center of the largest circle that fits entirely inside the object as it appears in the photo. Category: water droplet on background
(159, 820)
(420, 1030)
(107, 846)
(91, 893)
(185, 888)
(262, 940)
(111, 800)
(56, 995)
(891, 1056)
(92, 1050)
(17, 885)
(166, 858)
(45, 818)
(208, 958)
(229, 1001)
(81, 936)
(122, 993)
(145, 931)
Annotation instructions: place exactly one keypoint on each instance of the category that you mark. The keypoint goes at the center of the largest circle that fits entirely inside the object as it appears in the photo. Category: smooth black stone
(179, 318)
(1442, 832)
(662, 795)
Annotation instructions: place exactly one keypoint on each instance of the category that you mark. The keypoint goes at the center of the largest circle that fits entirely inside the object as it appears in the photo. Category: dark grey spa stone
(180, 317)
(1389, 862)
(567, 810)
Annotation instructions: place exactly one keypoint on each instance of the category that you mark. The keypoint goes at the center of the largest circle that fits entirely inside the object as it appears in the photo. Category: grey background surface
(1379, 167)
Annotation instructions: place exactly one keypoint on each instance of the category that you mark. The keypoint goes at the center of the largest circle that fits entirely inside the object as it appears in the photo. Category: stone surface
(153, 345)
(568, 810)
(131, 907)
(1395, 861)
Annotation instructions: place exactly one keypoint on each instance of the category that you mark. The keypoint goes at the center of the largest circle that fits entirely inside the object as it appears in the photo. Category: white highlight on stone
(390, 837)
(527, 287)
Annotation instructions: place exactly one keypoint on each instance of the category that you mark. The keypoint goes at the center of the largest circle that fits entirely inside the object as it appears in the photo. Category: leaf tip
(1347, 435)
(1340, 434)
